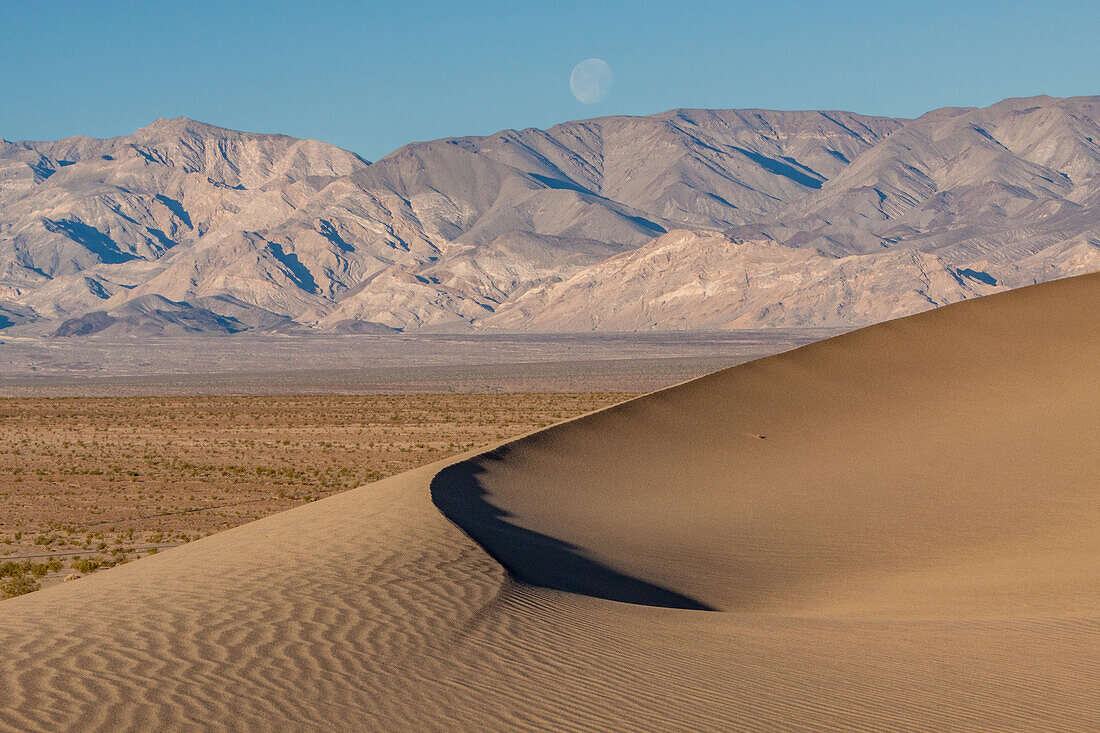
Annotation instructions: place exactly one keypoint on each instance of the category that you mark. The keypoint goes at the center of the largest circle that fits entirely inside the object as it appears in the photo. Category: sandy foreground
(894, 529)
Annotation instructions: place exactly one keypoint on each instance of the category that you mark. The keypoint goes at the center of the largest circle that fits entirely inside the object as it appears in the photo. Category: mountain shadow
(91, 238)
(780, 169)
(298, 272)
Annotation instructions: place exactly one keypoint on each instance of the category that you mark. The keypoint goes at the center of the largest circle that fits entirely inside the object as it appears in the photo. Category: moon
(590, 80)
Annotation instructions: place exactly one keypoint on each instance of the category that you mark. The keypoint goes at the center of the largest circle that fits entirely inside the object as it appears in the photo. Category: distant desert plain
(893, 528)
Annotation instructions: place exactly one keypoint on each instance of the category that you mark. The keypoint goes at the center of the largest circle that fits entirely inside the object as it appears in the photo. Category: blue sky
(372, 76)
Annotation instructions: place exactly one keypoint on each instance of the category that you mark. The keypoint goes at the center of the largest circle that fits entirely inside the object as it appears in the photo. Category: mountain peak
(180, 126)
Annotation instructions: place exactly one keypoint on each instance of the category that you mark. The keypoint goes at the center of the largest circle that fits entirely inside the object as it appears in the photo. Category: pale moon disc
(590, 80)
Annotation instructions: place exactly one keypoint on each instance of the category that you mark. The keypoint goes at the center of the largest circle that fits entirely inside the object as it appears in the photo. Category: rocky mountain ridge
(683, 220)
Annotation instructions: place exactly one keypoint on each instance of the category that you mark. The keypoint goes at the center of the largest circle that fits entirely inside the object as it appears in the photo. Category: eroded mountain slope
(481, 231)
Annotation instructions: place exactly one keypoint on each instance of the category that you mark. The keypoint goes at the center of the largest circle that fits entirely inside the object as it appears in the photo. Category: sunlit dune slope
(940, 465)
(895, 529)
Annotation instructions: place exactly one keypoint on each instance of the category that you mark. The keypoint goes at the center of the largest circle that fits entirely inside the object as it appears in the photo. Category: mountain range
(689, 219)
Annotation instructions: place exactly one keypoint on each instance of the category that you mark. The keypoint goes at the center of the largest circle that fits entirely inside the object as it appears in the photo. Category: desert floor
(86, 483)
(259, 364)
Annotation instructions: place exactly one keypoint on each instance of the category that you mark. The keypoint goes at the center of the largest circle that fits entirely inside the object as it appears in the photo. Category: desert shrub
(88, 565)
(11, 569)
(17, 586)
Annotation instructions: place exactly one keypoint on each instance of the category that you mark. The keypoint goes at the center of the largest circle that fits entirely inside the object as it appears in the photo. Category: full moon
(590, 80)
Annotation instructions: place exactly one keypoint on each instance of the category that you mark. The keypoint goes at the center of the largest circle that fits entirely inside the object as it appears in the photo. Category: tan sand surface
(898, 529)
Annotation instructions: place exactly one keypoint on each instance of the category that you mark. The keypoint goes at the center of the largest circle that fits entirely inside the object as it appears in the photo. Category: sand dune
(893, 529)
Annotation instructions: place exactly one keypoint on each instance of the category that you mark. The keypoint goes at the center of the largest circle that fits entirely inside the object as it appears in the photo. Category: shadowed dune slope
(898, 529)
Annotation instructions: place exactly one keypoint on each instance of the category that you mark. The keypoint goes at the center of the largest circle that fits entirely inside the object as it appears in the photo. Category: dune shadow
(534, 558)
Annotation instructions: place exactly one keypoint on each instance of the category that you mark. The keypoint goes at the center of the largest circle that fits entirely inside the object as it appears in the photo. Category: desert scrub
(88, 565)
(11, 569)
(17, 586)
(83, 473)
